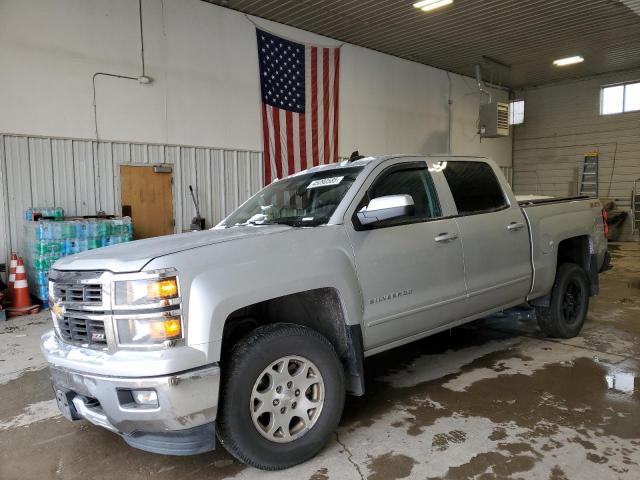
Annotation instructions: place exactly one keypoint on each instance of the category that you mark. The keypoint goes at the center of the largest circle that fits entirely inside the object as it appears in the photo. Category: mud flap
(355, 370)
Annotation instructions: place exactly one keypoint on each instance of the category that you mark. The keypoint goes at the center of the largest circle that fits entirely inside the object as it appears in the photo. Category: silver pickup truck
(253, 331)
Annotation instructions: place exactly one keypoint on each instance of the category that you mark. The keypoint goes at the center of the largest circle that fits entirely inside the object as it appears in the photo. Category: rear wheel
(282, 396)
(569, 303)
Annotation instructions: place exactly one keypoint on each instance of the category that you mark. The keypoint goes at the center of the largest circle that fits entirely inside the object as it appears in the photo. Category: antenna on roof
(355, 155)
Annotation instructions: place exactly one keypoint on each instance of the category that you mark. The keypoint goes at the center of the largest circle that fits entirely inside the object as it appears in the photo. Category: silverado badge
(390, 296)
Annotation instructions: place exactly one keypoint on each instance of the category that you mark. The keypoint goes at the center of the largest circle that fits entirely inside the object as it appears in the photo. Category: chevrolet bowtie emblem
(57, 309)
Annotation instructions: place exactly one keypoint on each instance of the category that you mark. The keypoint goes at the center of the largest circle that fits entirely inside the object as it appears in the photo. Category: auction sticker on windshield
(325, 182)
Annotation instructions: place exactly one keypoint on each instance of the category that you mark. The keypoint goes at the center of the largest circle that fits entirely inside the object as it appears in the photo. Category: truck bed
(552, 220)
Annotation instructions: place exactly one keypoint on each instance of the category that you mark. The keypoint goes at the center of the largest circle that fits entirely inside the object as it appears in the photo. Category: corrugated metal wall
(83, 177)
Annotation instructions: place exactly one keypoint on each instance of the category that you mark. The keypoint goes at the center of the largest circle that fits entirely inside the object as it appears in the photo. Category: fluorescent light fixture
(568, 61)
(428, 5)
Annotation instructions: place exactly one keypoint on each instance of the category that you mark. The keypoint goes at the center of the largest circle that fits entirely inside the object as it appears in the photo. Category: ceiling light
(428, 5)
(568, 61)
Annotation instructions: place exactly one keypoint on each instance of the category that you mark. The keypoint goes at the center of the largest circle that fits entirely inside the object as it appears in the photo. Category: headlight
(148, 331)
(140, 292)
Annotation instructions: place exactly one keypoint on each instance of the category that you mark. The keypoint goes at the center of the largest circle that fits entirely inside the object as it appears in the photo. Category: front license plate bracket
(64, 399)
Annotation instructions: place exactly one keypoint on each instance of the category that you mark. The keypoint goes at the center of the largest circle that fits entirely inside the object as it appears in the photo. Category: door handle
(515, 226)
(446, 237)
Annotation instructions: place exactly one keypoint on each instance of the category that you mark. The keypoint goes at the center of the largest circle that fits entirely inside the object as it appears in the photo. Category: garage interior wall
(205, 92)
(562, 123)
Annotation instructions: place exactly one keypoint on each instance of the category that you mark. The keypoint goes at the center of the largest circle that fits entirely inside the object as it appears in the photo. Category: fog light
(148, 398)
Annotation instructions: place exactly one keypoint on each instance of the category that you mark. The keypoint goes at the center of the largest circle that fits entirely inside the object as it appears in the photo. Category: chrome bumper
(181, 424)
(185, 400)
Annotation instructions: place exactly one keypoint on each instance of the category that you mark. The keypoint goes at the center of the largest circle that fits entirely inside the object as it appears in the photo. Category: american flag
(299, 85)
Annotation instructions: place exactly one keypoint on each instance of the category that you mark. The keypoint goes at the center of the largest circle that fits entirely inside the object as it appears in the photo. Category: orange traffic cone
(12, 272)
(21, 299)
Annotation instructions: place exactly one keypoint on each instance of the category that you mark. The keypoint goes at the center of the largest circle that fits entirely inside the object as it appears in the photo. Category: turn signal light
(167, 288)
(168, 329)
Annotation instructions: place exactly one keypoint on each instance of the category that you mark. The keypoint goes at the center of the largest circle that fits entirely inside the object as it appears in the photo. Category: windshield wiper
(292, 222)
(299, 222)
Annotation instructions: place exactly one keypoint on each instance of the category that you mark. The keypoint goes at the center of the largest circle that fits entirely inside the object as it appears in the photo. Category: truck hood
(133, 256)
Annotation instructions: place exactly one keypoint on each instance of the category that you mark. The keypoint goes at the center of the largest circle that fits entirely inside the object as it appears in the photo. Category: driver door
(410, 268)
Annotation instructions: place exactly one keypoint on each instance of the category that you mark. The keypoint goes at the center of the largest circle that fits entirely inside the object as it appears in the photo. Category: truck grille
(82, 330)
(85, 293)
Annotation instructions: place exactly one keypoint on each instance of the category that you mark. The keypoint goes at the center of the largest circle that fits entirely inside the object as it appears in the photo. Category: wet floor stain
(500, 464)
(321, 474)
(390, 466)
(557, 474)
(18, 394)
(441, 441)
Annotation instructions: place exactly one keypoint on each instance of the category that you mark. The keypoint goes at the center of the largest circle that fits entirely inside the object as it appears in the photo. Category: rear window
(475, 187)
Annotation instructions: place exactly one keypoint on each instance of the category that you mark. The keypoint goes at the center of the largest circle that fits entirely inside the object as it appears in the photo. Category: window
(516, 112)
(475, 187)
(620, 98)
(414, 181)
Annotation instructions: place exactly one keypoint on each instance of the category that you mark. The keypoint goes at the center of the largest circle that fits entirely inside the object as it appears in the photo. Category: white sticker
(325, 182)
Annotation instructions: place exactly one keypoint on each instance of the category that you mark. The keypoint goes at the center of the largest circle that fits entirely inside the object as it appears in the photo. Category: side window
(474, 187)
(409, 181)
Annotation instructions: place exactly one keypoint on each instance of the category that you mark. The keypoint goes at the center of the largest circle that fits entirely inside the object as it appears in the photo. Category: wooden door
(147, 198)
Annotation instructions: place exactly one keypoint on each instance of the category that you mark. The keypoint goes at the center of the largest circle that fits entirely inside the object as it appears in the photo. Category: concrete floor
(490, 400)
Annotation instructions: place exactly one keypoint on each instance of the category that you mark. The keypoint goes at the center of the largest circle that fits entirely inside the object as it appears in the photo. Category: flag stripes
(297, 134)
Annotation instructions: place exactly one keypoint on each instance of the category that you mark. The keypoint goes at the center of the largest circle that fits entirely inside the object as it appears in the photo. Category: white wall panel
(41, 165)
(106, 200)
(172, 157)
(219, 206)
(5, 237)
(84, 172)
(64, 181)
(18, 180)
(83, 176)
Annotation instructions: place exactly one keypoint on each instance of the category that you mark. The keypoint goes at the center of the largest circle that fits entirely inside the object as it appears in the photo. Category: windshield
(304, 200)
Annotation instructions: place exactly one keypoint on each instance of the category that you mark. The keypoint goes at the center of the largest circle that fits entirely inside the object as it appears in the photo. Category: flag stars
(281, 64)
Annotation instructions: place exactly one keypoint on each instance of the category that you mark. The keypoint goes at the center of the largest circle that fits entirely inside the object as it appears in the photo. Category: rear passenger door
(494, 234)
(410, 269)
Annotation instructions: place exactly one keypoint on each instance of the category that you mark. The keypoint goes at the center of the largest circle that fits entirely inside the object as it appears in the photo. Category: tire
(569, 303)
(252, 374)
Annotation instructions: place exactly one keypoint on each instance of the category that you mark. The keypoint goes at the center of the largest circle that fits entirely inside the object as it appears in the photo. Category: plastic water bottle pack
(45, 241)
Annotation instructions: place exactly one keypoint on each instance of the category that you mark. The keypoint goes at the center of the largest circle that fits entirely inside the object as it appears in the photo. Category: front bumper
(181, 424)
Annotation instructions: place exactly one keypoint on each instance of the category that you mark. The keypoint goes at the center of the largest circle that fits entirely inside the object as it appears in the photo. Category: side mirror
(386, 208)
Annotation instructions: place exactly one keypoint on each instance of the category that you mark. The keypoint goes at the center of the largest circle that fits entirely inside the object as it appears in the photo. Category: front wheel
(569, 303)
(282, 396)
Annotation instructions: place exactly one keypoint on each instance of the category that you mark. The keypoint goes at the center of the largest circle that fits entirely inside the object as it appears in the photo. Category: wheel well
(578, 250)
(574, 250)
(319, 309)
